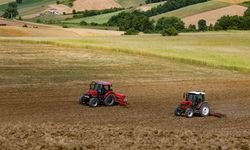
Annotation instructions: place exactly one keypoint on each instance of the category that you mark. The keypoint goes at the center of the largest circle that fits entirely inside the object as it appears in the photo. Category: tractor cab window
(93, 86)
(192, 97)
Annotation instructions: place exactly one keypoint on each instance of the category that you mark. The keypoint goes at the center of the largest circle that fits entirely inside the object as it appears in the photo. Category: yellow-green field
(228, 50)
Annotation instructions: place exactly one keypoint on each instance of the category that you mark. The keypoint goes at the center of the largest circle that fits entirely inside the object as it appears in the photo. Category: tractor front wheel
(204, 110)
(109, 100)
(178, 111)
(189, 112)
(81, 99)
(93, 102)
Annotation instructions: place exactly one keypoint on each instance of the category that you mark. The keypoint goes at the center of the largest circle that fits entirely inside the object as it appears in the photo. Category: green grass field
(96, 19)
(193, 9)
(29, 7)
(228, 50)
(130, 3)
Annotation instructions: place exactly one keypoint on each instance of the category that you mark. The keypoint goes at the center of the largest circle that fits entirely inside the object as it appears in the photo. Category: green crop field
(228, 50)
(29, 7)
(130, 3)
(96, 19)
(193, 9)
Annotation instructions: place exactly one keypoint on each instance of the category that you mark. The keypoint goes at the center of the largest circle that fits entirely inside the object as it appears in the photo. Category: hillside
(193, 9)
(212, 16)
(130, 3)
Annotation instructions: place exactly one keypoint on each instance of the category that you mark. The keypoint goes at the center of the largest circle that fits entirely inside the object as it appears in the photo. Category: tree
(169, 32)
(132, 20)
(202, 25)
(169, 22)
(211, 27)
(191, 28)
(19, 1)
(247, 12)
(11, 12)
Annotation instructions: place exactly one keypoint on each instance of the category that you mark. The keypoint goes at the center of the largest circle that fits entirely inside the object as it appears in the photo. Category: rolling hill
(193, 9)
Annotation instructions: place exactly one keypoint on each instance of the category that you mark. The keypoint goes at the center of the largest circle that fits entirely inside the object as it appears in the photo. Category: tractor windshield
(191, 97)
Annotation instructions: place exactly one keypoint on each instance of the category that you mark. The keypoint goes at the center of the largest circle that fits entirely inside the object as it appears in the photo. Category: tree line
(136, 21)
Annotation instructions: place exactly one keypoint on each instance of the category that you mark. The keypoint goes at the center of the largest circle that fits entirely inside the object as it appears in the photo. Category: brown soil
(82, 5)
(212, 16)
(48, 116)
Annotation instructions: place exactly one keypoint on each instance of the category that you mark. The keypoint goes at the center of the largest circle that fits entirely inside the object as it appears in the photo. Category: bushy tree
(83, 23)
(131, 31)
(191, 28)
(169, 32)
(233, 23)
(19, 1)
(202, 25)
(132, 20)
(169, 22)
(247, 12)
(11, 11)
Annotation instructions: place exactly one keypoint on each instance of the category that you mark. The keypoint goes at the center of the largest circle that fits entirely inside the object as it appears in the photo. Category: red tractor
(102, 93)
(194, 103)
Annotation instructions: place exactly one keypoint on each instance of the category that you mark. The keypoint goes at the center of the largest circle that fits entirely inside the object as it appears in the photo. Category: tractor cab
(101, 87)
(194, 97)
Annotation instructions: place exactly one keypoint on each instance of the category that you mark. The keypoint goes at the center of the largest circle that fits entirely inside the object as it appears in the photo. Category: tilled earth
(49, 117)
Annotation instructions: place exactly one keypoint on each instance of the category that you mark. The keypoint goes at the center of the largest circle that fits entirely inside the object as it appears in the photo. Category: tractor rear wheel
(189, 112)
(177, 111)
(93, 102)
(204, 110)
(109, 100)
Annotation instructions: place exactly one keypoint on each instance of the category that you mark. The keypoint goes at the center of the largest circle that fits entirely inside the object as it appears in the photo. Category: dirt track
(42, 112)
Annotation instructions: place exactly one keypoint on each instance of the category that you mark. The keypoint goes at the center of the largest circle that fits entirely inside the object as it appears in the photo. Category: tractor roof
(105, 83)
(197, 92)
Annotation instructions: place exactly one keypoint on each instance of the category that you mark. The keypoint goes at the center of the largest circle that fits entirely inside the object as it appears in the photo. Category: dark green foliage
(11, 12)
(65, 26)
(153, 1)
(131, 32)
(233, 22)
(202, 25)
(19, 1)
(83, 23)
(247, 12)
(191, 28)
(169, 22)
(73, 11)
(57, 2)
(171, 5)
(19, 18)
(135, 20)
(38, 21)
(247, 3)
(69, 2)
(211, 27)
(169, 32)
(88, 13)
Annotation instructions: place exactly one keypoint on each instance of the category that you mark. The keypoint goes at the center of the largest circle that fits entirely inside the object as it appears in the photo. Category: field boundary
(139, 53)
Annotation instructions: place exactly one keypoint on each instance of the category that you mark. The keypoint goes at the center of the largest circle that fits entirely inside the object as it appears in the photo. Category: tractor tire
(189, 113)
(81, 99)
(177, 112)
(109, 100)
(93, 102)
(204, 110)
